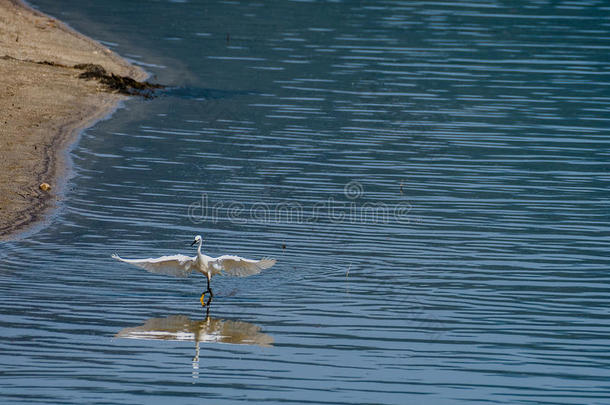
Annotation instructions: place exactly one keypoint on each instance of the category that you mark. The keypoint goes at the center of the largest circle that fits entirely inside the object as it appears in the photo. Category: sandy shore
(43, 107)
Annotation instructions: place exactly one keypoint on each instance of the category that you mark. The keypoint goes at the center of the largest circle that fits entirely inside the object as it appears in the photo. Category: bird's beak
(193, 242)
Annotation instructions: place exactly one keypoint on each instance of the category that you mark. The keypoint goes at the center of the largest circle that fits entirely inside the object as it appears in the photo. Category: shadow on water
(201, 94)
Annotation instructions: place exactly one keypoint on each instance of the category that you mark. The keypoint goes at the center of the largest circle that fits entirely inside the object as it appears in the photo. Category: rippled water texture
(432, 178)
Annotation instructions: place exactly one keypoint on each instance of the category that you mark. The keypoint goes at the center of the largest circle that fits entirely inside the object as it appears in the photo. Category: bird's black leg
(209, 289)
(203, 304)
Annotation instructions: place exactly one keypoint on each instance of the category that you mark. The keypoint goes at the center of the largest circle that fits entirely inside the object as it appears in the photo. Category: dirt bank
(44, 102)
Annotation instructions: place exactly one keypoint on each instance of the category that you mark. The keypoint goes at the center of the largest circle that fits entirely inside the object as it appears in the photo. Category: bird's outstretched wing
(177, 265)
(238, 266)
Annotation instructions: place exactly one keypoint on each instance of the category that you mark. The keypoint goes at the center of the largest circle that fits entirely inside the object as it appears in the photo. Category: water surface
(432, 178)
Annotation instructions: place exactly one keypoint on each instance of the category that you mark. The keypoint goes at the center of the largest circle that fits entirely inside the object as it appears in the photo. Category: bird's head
(197, 240)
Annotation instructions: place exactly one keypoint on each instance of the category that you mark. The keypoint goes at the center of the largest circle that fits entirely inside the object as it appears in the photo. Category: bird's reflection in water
(208, 330)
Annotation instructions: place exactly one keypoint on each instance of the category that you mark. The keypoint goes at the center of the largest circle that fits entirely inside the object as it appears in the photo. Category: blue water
(432, 177)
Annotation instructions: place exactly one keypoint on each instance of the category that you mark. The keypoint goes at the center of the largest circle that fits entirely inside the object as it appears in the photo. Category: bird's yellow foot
(202, 300)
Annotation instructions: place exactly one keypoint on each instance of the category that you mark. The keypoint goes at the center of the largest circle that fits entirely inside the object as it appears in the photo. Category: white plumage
(183, 266)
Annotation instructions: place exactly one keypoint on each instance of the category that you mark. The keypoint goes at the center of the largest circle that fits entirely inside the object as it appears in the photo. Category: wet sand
(43, 106)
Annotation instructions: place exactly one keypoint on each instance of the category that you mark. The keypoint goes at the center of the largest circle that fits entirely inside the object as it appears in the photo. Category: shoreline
(45, 106)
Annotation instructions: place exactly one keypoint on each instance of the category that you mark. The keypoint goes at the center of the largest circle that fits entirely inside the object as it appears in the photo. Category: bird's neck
(199, 248)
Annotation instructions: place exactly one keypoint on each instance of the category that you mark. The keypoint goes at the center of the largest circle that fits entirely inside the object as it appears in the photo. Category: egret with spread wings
(183, 266)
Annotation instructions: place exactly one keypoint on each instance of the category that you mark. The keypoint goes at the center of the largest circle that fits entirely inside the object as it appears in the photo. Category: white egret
(182, 266)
